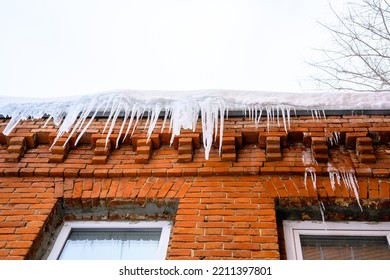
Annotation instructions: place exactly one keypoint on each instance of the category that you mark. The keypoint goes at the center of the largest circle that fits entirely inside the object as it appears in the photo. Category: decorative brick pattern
(101, 152)
(144, 150)
(185, 150)
(228, 149)
(319, 148)
(272, 148)
(16, 149)
(365, 150)
(226, 206)
(59, 151)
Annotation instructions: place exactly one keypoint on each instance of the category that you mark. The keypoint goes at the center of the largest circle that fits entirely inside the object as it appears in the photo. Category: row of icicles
(76, 118)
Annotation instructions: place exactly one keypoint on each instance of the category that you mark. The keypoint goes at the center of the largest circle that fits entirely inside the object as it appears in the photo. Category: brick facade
(227, 207)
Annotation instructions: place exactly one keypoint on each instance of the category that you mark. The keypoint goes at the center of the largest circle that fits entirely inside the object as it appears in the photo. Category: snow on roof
(183, 108)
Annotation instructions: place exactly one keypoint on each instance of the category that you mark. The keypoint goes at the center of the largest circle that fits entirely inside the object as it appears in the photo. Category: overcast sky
(73, 47)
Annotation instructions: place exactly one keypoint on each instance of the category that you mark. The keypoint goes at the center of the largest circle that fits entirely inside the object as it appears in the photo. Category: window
(337, 240)
(112, 241)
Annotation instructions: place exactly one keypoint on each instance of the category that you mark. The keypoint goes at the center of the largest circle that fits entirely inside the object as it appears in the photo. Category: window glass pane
(111, 245)
(345, 247)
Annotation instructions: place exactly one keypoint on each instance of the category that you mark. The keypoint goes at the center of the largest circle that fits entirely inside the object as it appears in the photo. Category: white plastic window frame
(68, 226)
(294, 229)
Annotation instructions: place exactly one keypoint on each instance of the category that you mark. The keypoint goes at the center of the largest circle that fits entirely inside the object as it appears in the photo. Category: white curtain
(111, 245)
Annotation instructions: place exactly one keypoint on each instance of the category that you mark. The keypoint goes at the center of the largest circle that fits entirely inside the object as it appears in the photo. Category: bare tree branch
(359, 58)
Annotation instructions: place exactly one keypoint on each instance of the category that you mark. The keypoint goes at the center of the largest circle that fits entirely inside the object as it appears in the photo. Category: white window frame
(67, 228)
(293, 229)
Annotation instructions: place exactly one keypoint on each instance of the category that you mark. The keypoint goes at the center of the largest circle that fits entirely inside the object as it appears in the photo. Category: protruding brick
(350, 138)
(18, 140)
(101, 151)
(367, 158)
(30, 138)
(56, 158)
(186, 149)
(318, 141)
(229, 140)
(12, 158)
(144, 150)
(99, 159)
(363, 141)
(142, 158)
(365, 149)
(185, 141)
(264, 135)
(184, 158)
(321, 157)
(273, 140)
(229, 157)
(231, 148)
(18, 149)
(272, 148)
(320, 149)
(274, 156)
(60, 150)
(103, 143)
(144, 142)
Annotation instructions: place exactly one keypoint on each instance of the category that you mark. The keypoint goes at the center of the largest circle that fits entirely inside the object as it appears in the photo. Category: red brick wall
(226, 205)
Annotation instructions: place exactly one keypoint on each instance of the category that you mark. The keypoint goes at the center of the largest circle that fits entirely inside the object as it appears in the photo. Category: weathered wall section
(221, 208)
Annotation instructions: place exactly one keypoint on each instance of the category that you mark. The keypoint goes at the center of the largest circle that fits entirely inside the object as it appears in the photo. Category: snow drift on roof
(182, 108)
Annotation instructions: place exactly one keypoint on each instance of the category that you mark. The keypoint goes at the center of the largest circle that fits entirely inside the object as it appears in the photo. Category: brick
(272, 148)
(12, 158)
(274, 156)
(103, 143)
(11, 172)
(318, 141)
(228, 149)
(321, 157)
(228, 140)
(363, 172)
(185, 141)
(56, 158)
(100, 173)
(272, 140)
(101, 151)
(380, 173)
(363, 141)
(320, 149)
(86, 173)
(367, 158)
(99, 159)
(17, 140)
(185, 149)
(41, 172)
(142, 158)
(18, 149)
(229, 157)
(71, 172)
(144, 142)
(350, 138)
(144, 150)
(59, 150)
(264, 135)
(115, 173)
(183, 158)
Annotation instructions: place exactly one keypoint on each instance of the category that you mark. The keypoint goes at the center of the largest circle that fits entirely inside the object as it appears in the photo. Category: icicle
(322, 211)
(312, 172)
(333, 174)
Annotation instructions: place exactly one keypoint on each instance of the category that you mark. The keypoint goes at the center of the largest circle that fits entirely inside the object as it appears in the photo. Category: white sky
(71, 47)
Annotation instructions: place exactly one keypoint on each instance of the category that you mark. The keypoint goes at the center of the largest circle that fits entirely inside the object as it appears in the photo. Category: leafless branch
(359, 58)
